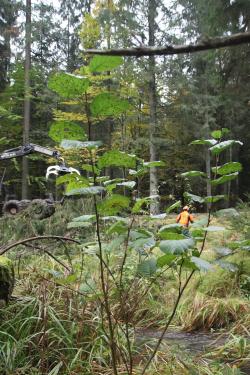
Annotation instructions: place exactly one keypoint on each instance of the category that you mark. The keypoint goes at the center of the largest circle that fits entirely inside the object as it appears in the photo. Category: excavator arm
(28, 149)
(42, 208)
(31, 148)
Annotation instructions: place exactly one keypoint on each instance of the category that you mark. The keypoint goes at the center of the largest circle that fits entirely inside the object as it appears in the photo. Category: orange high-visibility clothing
(184, 218)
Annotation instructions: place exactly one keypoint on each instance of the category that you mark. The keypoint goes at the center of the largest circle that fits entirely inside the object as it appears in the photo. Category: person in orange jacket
(185, 218)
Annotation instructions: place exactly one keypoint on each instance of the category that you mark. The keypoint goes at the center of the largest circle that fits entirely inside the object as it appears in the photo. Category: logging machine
(41, 207)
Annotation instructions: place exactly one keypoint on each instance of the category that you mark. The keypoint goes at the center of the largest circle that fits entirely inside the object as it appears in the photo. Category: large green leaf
(68, 85)
(71, 178)
(202, 264)
(113, 181)
(225, 178)
(217, 134)
(127, 184)
(69, 144)
(113, 204)
(106, 104)
(223, 251)
(89, 168)
(228, 168)
(187, 263)
(141, 240)
(176, 246)
(243, 245)
(151, 164)
(142, 244)
(92, 190)
(165, 260)
(147, 268)
(193, 174)
(78, 183)
(66, 130)
(209, 142)
(197, 233)
(214, 198)
(140, 202)
(171, 228)
(104, 63)
(120, 227)
(173, 207)
(140, 172)
(226, 265)
(140, 233)
(116, 158)
(110, 187)
(170, 236)
(193, 198)
(200, 223)
(221, 146)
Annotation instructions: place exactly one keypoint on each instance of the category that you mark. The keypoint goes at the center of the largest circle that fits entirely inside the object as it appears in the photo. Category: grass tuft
(204, 313)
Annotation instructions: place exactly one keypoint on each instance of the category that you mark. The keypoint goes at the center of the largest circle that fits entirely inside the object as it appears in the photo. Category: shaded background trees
(194, 93)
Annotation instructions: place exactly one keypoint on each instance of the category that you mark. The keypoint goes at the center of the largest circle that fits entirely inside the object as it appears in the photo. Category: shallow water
(193, 343)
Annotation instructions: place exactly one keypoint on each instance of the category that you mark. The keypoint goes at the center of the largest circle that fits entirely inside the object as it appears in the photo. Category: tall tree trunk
(110, 121)
(26, 126)
(208, 172)
(207, 152)
(68, 46)
(154, 206)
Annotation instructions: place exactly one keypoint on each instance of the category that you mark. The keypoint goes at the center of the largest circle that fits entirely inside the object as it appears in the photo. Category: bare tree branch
(203, 45)
(30, 246)
(4, 249)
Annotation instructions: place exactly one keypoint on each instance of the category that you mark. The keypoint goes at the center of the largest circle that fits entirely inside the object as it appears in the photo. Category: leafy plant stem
(87, 114)
(180, 292)
(104, 288)
(126, 250)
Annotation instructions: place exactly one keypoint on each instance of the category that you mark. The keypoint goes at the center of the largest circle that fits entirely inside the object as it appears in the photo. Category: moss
(7, 278)
(5, 262)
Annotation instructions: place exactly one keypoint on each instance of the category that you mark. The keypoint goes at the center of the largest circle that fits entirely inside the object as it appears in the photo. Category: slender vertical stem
(125, 251)
(88, 115)
(104, 287)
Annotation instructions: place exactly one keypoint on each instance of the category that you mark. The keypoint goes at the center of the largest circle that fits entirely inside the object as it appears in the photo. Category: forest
(124, 187)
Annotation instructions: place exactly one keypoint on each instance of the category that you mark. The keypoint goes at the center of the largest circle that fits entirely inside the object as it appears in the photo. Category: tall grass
(203, 312)
(55, 326)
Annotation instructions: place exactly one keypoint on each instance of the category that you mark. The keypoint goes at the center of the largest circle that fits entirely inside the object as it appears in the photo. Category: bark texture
(154, 205)
(203, 45)
(26, 125)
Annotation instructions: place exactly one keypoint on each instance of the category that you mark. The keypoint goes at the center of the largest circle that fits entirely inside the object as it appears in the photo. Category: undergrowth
(53, 324)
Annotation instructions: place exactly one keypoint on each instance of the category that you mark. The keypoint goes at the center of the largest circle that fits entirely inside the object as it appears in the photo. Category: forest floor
(215, 303)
